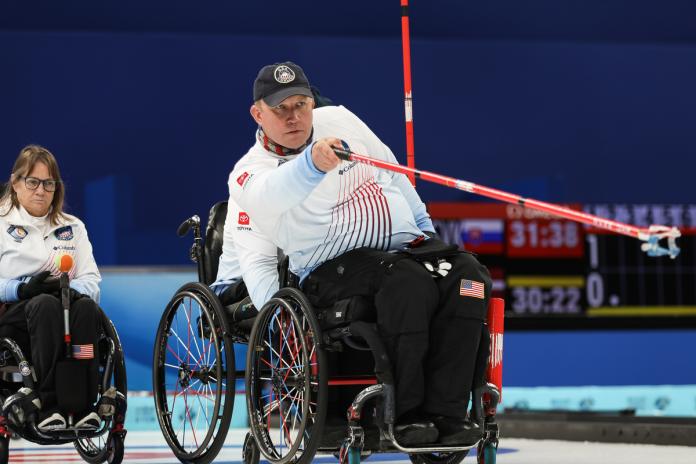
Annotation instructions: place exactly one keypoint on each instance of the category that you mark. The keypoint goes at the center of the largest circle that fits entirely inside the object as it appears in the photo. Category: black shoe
(415, 433)
(455, 431)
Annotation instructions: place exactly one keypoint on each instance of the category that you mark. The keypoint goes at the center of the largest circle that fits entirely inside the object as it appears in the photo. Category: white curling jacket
(313, 216)
(30, 245)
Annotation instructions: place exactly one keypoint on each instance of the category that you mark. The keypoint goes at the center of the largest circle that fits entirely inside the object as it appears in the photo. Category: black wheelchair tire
(440, 458)
(250, 452)
(4, 450)
(212, 310)
(120, 374)
(116, 449)
(293, 303)
(95, 451)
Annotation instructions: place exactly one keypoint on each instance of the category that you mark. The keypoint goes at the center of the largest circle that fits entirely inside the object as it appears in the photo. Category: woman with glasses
(35, 234)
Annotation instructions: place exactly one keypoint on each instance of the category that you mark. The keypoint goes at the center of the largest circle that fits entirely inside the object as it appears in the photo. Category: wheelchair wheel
(432, 458)
(286, 379)
(4, 449)
(96, 451)
(119, 377)
(250, 452)
(108, 447)
(194, 374)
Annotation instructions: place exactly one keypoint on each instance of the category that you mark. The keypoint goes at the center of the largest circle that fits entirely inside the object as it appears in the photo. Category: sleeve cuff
(78, 287)
(11, 289)
(311, 170)
(426, 225)
(219, 287)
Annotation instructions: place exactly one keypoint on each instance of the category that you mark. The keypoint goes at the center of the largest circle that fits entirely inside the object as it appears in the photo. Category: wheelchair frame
(287, 382)
(91, 445)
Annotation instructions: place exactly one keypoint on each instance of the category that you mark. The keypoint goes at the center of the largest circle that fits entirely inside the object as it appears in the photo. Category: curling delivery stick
(651, 236)
(65, 263)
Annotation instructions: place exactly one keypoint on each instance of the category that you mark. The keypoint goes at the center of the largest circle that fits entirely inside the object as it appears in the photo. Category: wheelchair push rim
(286, 392)
(192, 362)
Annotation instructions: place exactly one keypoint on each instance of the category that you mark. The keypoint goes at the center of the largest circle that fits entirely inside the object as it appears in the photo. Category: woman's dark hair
(25, 162)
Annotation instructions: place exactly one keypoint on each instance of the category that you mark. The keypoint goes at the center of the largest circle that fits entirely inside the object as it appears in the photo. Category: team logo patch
(347, 168)
(64, 233)
(243, 218)
(18, 233)
(284, 74)
(471, 288)
(241, 180)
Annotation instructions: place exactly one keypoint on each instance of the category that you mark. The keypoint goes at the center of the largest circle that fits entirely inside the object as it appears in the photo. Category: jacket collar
(15, 218)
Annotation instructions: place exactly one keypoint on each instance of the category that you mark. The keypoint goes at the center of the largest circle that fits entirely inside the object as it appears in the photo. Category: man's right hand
(37, 285)
(323, 155)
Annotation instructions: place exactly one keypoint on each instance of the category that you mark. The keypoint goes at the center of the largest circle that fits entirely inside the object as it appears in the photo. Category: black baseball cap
(278, 81)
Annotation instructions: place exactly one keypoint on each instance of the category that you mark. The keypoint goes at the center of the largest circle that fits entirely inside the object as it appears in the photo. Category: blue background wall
(147, 106)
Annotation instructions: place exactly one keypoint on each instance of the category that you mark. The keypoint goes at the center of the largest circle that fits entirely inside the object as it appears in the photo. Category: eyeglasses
(32, 183)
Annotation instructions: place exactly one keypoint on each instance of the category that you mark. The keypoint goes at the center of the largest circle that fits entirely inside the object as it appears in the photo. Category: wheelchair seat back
(212, 249)
(214, 234)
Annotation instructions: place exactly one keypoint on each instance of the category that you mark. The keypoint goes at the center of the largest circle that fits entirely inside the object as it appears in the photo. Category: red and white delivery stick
(408, 96)
(65, 263)
(651, 235)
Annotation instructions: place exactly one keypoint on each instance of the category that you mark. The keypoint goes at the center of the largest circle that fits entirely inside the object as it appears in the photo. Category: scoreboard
(556, 273)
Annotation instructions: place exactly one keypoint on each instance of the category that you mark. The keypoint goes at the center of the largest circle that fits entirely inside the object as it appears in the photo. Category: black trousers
(37, 327)
(433, 334)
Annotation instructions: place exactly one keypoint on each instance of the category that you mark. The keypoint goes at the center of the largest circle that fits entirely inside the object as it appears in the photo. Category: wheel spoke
(183, 344)
(188, 415)
(280, 359)
(189, 317)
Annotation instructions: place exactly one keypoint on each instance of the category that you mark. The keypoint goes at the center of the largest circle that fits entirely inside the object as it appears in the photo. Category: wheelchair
(106, 443)
(307, 387)
(194, 374)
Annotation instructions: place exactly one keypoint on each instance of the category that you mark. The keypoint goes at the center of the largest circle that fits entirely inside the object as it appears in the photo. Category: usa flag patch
(471, 288)
(83, 351)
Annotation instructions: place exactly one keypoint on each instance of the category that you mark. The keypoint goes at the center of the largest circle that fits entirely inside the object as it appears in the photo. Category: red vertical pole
(496, 318)
(408, 100)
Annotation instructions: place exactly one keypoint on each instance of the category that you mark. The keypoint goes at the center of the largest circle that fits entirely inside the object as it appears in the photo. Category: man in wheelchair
(57, 393)
(361, 236)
